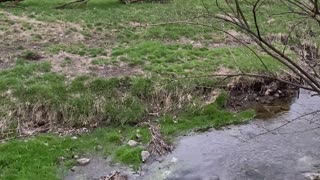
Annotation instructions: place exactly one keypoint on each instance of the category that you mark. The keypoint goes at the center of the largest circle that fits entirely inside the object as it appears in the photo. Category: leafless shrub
(231, 11)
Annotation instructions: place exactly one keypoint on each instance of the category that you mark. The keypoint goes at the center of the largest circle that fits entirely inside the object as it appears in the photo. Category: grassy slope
(38, 158)
(156, 49)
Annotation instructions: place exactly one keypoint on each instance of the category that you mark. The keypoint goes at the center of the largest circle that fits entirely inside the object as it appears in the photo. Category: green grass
(111, 14)
(38, 157)
(78, 49)
(103, 61)
(118, 103)
(186, 60)
(81, 101)
(210, 116)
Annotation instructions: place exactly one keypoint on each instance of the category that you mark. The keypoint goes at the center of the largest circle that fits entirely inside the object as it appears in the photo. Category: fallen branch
(285, 124)
(157, 144)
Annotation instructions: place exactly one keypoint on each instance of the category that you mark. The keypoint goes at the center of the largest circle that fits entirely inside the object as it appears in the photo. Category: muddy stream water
(242, 153)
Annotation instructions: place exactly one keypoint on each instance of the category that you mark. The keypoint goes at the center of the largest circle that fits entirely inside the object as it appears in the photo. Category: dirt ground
(23, 34)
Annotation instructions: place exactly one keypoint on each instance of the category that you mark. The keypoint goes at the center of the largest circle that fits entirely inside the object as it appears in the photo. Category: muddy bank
(257, 93)
(248, 151)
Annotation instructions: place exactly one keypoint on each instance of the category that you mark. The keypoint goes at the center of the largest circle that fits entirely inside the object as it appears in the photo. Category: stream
(245, 152)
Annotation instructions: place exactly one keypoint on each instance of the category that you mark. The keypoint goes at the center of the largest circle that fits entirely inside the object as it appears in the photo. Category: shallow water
(241, 153)
(237, 152)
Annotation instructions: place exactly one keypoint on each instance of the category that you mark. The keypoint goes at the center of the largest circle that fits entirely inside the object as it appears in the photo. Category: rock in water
(74, 168)
(312, 176)
(132, 143)
(83, 161)
(145, 155)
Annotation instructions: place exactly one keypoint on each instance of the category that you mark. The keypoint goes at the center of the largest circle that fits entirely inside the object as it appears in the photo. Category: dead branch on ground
(158, 145)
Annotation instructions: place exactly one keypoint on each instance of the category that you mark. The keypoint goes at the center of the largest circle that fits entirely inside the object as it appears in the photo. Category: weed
(30, 55)
(66, 62)
(102, 61)
(129, 155)
(78, 49)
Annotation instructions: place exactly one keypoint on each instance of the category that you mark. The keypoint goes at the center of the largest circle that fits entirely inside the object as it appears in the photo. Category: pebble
(145, 155)
(312, 176)
(160, 159)
(138, 136)
(61, 158)
(132, 143)
(74, 168)
(74, 137)
(83, 161)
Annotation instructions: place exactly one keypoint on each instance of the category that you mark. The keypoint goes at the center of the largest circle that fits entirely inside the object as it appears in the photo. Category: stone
(83, 161)
(74, 137)
(312, 176)
(268, 92)
(61, 158)
(145, 155)
(132, 143)
(138, 136)
(160, 159)
(74, 168)
(76, 156)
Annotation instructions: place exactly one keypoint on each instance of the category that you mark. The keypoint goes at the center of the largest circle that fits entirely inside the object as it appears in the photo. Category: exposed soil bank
(267, 97)
(241, 153)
